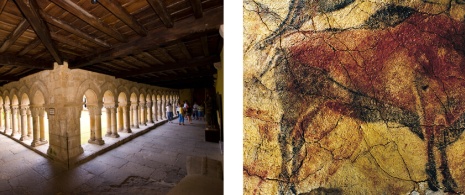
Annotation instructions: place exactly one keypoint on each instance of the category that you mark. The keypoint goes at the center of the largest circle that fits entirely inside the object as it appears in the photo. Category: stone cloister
(50, 104)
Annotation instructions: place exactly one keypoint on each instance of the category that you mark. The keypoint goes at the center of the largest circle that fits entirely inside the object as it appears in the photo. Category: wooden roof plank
(13, 36)
(206, 52)
(2, 5)
(173, 66)
(151, 58)
(160, 8)
(36, 42)
(116, 8)
(87, 17)
(11, 60)
(184, 50)
(69, 42)
(156, 38)
(68, 27)
(197, 8)
(30, 10)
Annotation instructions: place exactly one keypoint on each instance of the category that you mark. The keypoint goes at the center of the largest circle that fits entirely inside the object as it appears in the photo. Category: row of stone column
(123, 118)
(26, 120)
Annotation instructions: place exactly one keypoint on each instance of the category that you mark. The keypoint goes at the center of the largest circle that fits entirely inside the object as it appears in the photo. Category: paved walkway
(149, 164)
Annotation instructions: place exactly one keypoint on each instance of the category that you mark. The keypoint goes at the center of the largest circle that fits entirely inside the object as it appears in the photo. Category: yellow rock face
(344, 100)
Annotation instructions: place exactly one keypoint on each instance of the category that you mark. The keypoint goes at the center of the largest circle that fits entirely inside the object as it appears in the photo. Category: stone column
(35, 127)
(98, 126)
(92, 123)
(126, 123)
(14, 121)
(142, 113)
(160, 117)
(1, 112)
(174, 108)
(107, 110)
(114, 132)
(42, 126)
(149, 114)
(23, 123)
(29, 123)
(163, 107)
(155, 110)
(131, 115)
(7, 118)
(119, 114)
(136, 115)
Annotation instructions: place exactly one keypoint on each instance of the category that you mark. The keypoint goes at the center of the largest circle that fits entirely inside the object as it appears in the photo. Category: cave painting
(350, 96)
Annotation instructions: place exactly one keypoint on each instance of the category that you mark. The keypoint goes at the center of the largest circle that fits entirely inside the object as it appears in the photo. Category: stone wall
(354, 97)
(59, 92)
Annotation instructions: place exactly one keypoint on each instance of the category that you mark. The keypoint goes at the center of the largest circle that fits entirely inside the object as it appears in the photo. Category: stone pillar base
(108, 135)
(115, 135)
(38, 143)
(24, 138)
(126, 131)
(98, 142)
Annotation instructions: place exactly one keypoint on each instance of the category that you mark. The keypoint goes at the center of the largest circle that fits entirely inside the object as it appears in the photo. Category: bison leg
(448, 181)
(431, 164)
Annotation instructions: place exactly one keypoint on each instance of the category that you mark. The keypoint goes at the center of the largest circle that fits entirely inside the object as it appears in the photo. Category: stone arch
(14, 92)
(84, 89)
(108, 87)
(123, 112)
(24, 90)
(90, 116)
(39, 86)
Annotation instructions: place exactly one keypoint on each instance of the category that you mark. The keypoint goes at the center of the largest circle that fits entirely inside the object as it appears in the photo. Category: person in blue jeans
(169, 112)
(182, 112)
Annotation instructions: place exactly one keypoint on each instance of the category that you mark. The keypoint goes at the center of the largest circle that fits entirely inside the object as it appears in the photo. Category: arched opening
(109, 114)
(142, 110)
(123, 113)
(134, 113)
(7, 116)
(40, 130)
(89, 106)
(2, 114)
(14, 116)
(26, 119)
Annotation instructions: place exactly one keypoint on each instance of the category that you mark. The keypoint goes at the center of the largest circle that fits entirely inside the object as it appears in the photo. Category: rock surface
(354, 97)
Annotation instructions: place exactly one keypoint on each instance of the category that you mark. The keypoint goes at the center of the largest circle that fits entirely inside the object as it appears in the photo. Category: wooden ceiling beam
(118, 10)
(13, 36)
(36, 42)
(186, 83)
(197, 8)
(9, 78)
(87, 17)
(67, 41)
(187, 76)
(151, 58)
(206, 51)
(166, 54)
(11, 60)
(184, 50)
(160, 8)
(2, 5)
(173, 66)
(30, 10)
(156, 38)
(68, 27)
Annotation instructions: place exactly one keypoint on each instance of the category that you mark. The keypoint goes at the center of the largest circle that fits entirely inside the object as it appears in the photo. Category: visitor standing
(181, 115)
(169, 112)
(195, 111)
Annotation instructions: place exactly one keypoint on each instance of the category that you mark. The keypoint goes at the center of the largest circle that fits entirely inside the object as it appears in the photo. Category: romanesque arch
(94, 111)
(109, 104)
(134, 110)
(124, 108)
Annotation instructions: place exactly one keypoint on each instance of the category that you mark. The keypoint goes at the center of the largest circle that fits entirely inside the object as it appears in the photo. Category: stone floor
(151, 163)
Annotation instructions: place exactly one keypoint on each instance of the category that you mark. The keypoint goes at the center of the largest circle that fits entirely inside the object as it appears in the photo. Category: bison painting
(401, 67)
